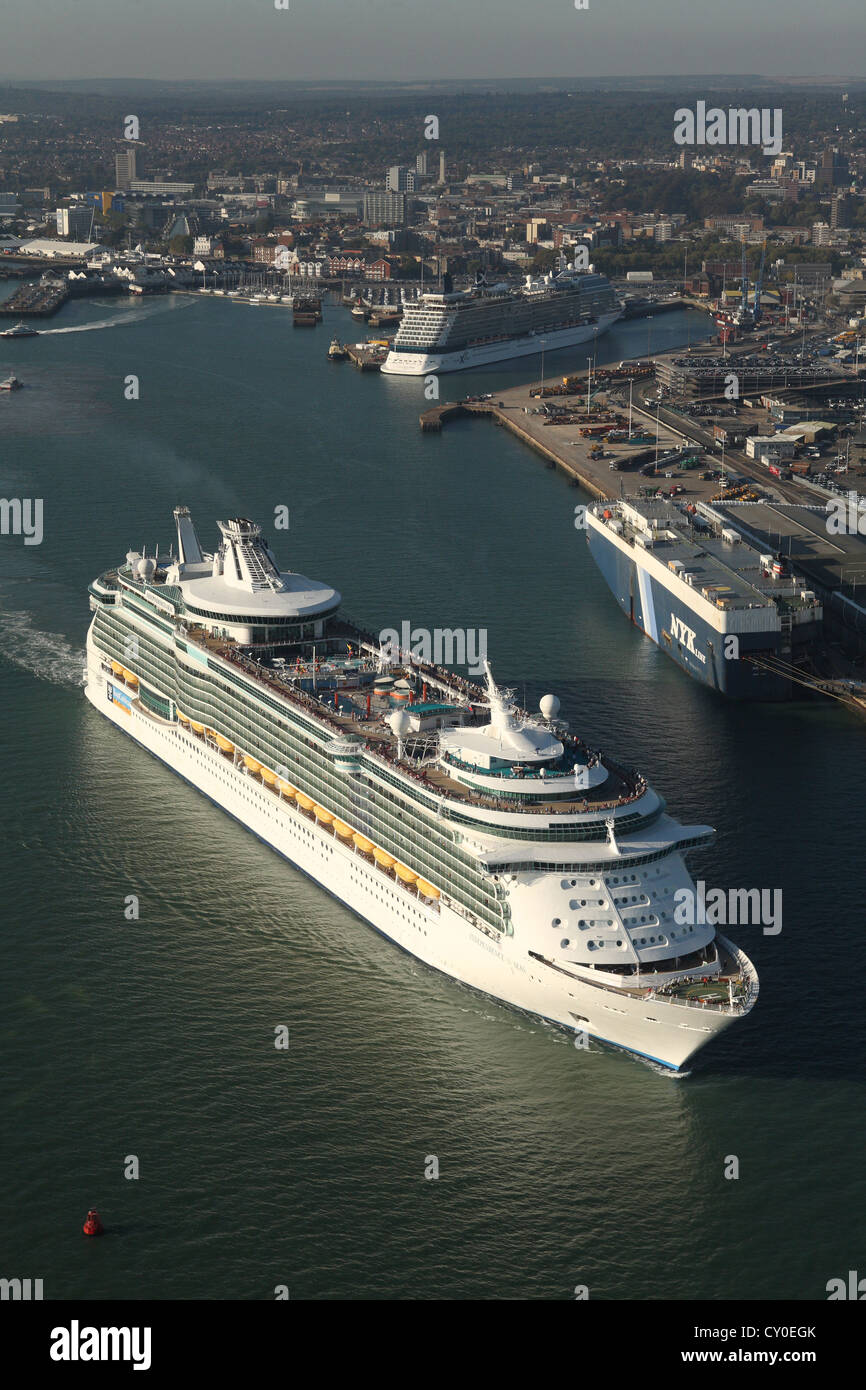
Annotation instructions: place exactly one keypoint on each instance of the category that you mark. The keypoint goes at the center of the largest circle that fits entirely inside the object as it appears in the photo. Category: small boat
(359, 312)
(11, 384)
(336, 352)
(21, 330)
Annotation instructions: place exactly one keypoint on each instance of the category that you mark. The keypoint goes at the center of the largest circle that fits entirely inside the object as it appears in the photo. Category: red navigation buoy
(93, 1225)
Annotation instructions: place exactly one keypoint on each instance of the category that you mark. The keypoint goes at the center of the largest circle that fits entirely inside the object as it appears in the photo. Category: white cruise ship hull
(421, 363)
(662, 1031)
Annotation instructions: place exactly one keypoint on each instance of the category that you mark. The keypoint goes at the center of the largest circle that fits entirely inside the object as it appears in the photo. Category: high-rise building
(385, 207)
(74, 222)
(124, 167)
(442, 178)
(832, 169)
(421, 163)
(840, 211)
(400, 179)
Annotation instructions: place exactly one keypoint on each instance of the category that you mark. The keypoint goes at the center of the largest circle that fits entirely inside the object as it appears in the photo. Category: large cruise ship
(732, 617)
(490, 844)
(471, 328)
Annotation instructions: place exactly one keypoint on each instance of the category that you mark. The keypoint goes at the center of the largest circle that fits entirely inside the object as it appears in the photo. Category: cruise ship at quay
(731, 617)
(491, 844)
(471, 328)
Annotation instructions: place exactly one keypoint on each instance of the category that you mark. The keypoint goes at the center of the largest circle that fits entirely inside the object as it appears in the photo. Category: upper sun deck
(236, 611)
(339, 694)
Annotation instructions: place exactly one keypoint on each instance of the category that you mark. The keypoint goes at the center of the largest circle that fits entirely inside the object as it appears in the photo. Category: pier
(40, 300)
(590, 462)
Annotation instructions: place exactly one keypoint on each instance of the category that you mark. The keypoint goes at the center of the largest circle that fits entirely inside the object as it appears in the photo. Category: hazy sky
(405, 39)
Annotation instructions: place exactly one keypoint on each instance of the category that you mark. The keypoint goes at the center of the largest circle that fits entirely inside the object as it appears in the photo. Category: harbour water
(155, 1037)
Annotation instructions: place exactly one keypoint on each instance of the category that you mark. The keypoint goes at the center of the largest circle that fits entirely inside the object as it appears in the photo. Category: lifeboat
(344, 831)
(130, 678)
(197, 728)
(285, 788)
(224, 744)
(182, 718)
(382, 857)
(407, 875)
(362, 843)
(326, 817)
(250, 762)
(427, 888)
(117, 668)
(305, 802)
(211, 733)
(270, 778)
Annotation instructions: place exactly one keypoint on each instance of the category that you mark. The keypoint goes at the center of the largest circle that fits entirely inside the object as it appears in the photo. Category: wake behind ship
(492, 845)
(471, 328)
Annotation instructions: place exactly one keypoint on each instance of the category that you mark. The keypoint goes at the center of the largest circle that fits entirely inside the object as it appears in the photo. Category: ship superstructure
(493, 845)
(471, 328)
(731, 616)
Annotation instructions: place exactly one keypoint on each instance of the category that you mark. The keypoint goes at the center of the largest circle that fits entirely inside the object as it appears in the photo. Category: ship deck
(727, 574)
(351, 706)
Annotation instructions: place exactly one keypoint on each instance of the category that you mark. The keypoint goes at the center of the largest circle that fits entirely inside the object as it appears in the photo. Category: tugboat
(336, 352)
(21, 330)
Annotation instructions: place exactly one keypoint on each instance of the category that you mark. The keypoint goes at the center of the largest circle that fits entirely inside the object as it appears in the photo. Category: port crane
(759, 285)
(744, 308)
(743, 316)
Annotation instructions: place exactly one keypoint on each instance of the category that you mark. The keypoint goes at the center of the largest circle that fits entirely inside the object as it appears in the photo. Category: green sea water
(155, 1038)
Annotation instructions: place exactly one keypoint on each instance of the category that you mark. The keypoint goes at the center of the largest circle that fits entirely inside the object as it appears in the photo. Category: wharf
(559, 445)
(366, 359)
(39, 300)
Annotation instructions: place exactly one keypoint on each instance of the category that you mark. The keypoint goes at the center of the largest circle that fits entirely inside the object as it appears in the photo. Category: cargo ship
(719, 608)
(492, 844)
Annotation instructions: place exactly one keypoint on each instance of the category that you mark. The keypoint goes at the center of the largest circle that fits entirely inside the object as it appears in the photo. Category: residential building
(124, 167)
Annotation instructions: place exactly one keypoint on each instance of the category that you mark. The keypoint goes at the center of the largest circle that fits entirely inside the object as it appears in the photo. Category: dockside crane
(759, 285)
(744, 310)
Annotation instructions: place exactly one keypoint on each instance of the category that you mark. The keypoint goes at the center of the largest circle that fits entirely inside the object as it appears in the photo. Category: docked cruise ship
(732, 617)
(471, 328)
(491, 844)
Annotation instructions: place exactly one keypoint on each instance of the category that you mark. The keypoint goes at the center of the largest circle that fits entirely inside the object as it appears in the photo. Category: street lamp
(649, 335)
(656, 465)
(543, 341)
(588, 381)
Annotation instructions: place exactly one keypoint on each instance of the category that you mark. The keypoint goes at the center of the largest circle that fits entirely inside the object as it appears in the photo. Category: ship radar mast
(501, 713)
